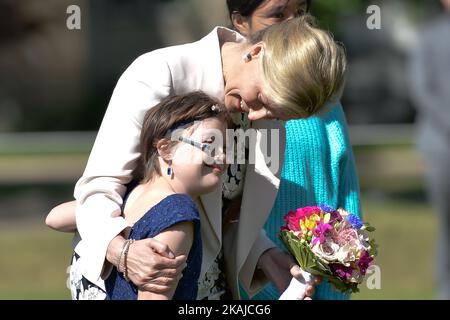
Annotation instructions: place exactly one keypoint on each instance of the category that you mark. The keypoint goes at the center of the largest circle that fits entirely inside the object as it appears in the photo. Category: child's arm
(62, 217)
(179, 238)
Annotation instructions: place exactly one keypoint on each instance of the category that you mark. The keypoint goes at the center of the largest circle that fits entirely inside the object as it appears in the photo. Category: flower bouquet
(333, 244)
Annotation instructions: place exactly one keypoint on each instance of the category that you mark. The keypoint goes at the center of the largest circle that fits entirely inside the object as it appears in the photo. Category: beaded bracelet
(125, 273)
(119, 263)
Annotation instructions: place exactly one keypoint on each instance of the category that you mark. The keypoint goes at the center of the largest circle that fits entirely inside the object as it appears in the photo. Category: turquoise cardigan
(319, 168)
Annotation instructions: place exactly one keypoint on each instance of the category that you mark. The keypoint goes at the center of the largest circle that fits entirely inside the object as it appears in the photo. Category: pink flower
(292, 220)
(308, 211)
(294, 217)
(346, 236)
(321, 231)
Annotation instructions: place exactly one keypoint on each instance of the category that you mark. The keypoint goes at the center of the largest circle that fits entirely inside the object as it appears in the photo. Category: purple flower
(320, 232)
(326, 208)
(355, 221)
(342, 271)
(364, 262)
(335, 216)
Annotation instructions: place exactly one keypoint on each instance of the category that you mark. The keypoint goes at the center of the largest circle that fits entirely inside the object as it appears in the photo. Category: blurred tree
(64, 78)
(41, 64)
(330, 11)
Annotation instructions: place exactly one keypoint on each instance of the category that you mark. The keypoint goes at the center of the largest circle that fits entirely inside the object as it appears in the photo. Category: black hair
(246, 7)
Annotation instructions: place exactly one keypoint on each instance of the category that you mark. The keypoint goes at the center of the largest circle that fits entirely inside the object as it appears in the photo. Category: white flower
(342, 212)
(327, 251)
(347, 253)
(364, 240)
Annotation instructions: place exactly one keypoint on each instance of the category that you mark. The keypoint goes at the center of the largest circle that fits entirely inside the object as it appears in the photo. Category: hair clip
(215, 108)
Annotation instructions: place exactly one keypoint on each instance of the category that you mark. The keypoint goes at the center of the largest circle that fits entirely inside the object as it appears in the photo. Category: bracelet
(120, 257)
(125, 258)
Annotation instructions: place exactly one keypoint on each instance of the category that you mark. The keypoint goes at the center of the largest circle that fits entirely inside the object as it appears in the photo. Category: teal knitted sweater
(319, 168)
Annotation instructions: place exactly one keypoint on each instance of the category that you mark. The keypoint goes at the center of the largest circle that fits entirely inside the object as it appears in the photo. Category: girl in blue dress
(180, 160)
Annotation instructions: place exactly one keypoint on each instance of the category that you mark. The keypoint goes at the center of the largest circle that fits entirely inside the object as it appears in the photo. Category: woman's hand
(151, 265)
(279, 267)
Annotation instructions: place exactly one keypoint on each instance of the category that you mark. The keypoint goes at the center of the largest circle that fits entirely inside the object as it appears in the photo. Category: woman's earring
(247, 57)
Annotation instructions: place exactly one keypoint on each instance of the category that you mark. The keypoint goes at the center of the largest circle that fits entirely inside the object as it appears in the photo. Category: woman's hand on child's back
(151, 264)
(153, 267)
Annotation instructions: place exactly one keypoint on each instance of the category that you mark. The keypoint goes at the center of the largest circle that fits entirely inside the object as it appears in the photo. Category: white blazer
(150, 78)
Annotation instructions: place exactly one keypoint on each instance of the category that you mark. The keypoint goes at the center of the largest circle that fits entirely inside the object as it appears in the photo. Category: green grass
(34, 262)
(405, 235)
(34, 258)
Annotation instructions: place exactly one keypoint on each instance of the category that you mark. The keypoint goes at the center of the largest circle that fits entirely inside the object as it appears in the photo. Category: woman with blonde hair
(319, 167)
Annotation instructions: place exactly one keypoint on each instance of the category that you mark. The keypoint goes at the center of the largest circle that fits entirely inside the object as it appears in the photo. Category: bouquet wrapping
(333, 244)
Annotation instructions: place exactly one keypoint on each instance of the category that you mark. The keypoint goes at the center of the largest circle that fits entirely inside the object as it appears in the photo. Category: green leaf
(368, 227)
(343, 286)
(373, 248)
(323, 266)
(301, 251)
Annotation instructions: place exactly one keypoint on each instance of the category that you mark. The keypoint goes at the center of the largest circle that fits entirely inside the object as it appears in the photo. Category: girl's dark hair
(170, 113)
(246, 7)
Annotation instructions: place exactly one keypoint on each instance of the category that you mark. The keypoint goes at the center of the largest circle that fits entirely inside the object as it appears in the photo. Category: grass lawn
(405, 235)
(34, 262)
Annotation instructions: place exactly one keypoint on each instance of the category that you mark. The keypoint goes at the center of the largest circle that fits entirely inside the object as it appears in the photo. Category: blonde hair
(303, 67)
